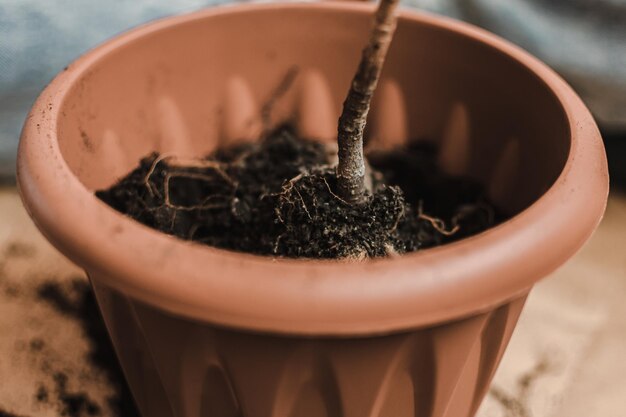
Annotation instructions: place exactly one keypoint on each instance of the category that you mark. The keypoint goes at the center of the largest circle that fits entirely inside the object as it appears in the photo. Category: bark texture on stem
(351, 167)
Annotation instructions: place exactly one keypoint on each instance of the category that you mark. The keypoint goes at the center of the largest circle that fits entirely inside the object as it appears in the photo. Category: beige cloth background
(566, 358)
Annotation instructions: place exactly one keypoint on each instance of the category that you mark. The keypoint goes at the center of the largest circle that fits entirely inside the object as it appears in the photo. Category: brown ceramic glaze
(203, 331)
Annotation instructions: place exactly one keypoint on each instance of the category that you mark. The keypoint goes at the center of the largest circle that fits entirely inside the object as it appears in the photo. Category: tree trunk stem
(351, 168)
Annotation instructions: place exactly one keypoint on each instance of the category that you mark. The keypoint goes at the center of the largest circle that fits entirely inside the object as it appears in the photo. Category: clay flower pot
(207, 332)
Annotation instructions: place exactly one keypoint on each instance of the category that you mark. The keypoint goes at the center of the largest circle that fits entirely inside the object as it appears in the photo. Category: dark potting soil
(277, 197)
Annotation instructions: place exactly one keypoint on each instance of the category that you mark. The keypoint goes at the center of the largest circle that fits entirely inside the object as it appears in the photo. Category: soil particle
(518, 405)
(42, 394)
(86, 141)
(68, 378)
(37, 344)
(18, 249)
(11, 291)
(278, 197)
(76, 300)
(73, 404)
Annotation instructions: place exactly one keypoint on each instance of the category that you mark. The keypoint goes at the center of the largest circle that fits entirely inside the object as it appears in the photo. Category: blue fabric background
(40, 37)
(585, 40)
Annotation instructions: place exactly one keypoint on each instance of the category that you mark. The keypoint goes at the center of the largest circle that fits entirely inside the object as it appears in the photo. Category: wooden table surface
(567, 357)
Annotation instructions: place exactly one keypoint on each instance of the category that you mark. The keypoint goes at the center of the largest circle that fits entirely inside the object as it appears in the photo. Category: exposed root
(192, 231)
(202, 164)
(288, 186)
(241, 159)
(399, 217)
(189, 163)
(303, 204)
(333, 194)
(279, 196)
(438, 224)
(287, 189)
(146, 179)
(277, 243)
(468, 209)
(173, 219)
(391, 250)
(358, 255)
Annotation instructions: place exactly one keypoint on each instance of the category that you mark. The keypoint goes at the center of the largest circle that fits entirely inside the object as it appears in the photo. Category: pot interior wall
(202, 83)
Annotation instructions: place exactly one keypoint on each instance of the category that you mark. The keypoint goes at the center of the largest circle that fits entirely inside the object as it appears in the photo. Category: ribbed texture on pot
(177, 367)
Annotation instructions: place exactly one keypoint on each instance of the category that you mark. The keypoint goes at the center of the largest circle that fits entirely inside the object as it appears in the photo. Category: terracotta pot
(207, 332)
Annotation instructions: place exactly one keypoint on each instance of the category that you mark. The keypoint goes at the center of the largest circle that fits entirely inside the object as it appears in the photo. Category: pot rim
(313, 297)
